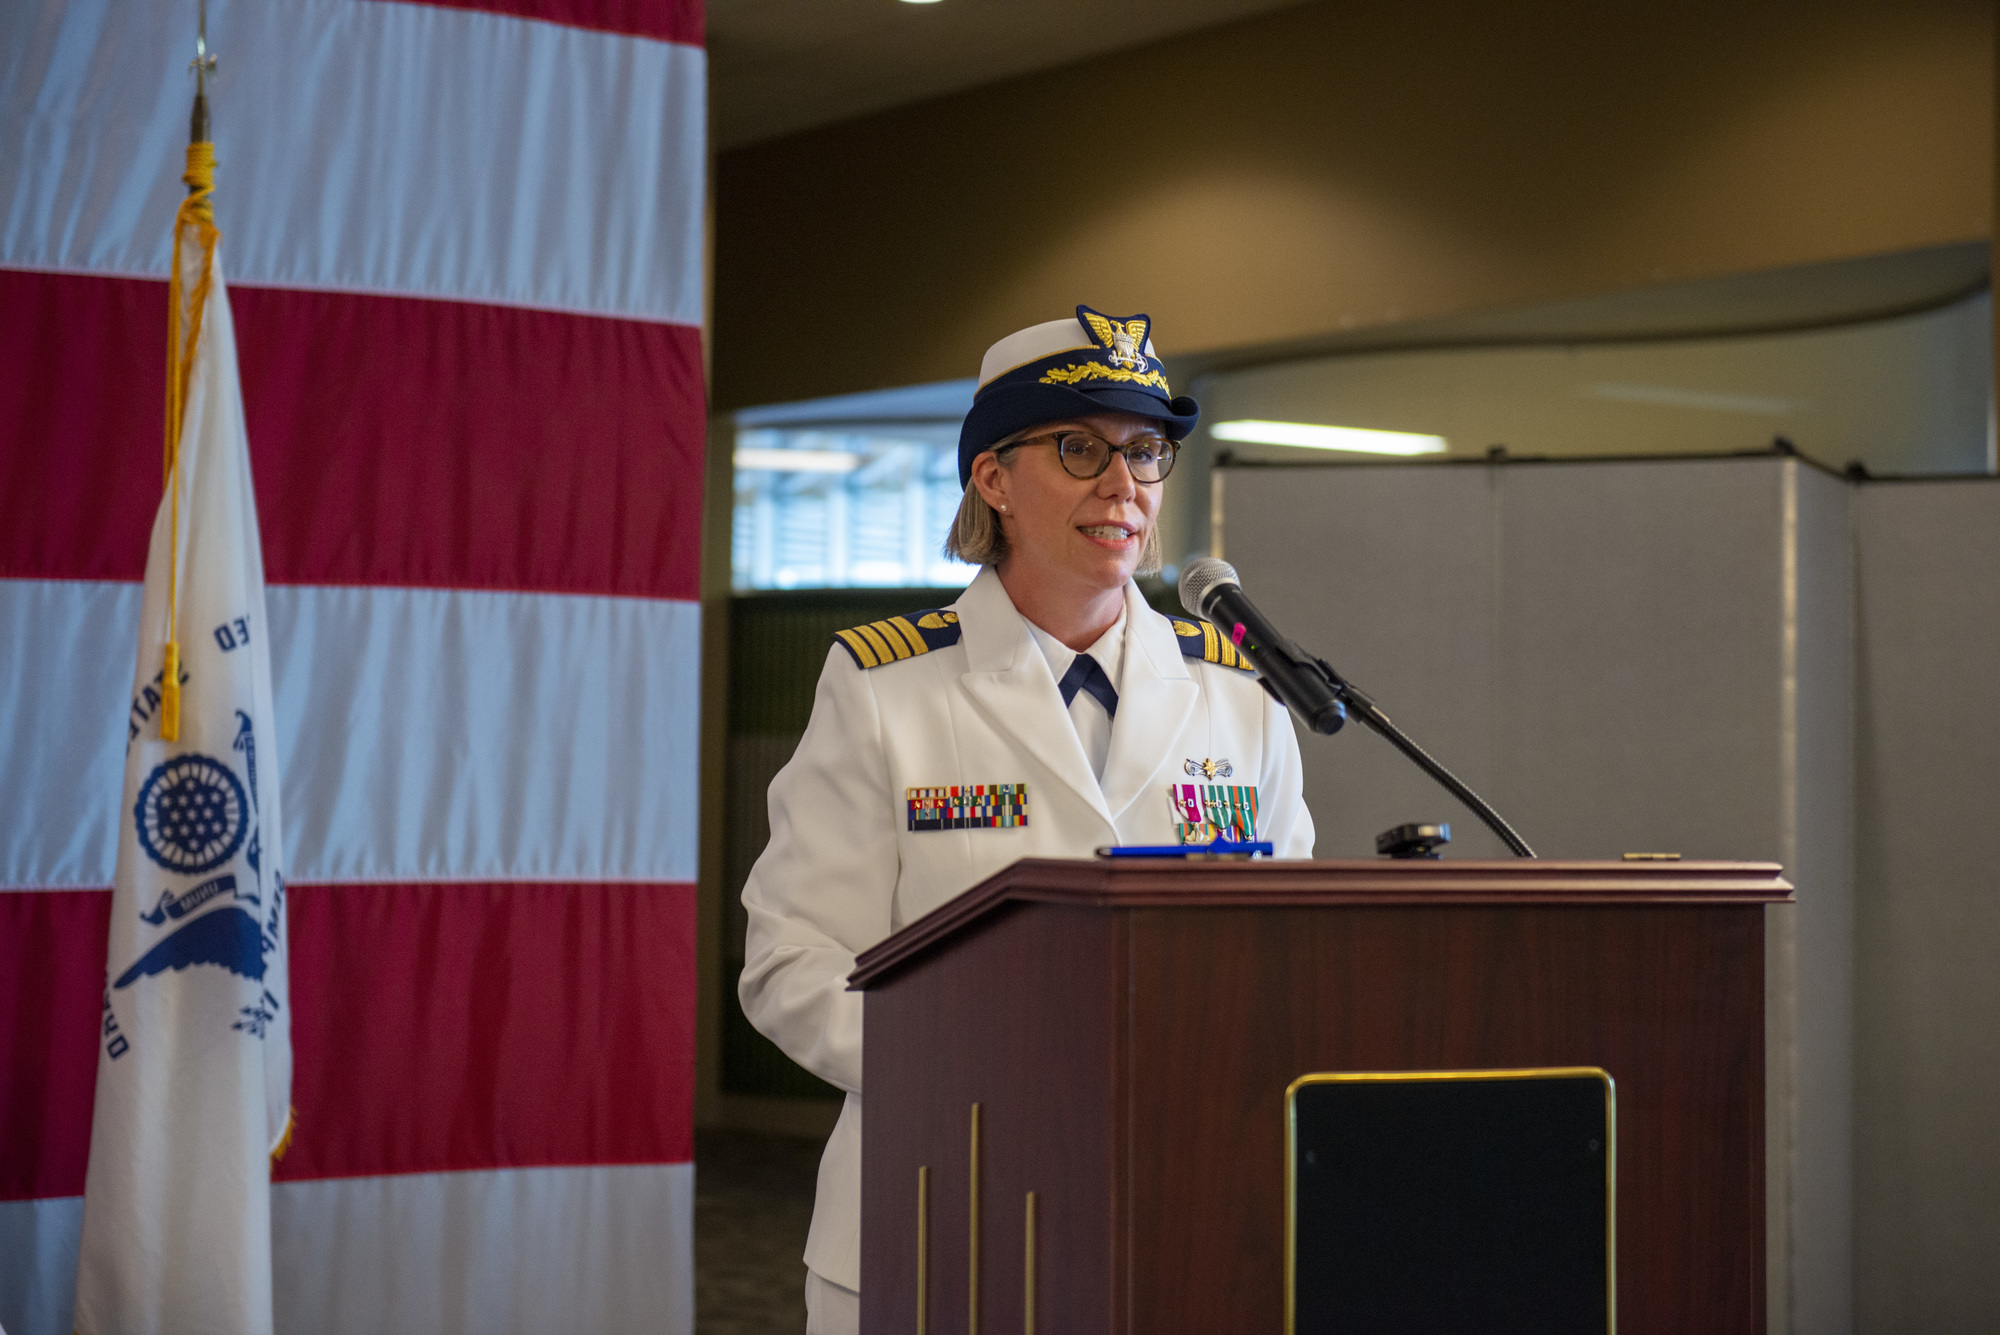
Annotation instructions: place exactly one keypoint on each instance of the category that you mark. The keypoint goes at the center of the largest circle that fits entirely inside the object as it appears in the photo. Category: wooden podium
(1128, 1029)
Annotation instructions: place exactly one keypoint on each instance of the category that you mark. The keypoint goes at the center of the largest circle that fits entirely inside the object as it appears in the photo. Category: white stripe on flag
(365, 147)
(426, 734)
(38, 1264)
(66, 680)
(487, 1253)
(505, 736)
(527, 1250)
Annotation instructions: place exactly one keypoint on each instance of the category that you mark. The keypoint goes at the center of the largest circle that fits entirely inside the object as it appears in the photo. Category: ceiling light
(920, 2)
(1306, 435)
(797, 461)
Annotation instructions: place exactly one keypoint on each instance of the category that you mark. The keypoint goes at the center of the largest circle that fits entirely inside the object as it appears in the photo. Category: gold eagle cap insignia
(1210, 769)
(1125, 340)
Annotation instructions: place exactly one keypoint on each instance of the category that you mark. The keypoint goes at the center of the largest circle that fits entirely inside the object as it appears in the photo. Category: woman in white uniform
(1049, 711)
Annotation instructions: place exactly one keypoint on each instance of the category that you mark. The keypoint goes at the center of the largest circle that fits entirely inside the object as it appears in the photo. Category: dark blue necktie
(1085, 675)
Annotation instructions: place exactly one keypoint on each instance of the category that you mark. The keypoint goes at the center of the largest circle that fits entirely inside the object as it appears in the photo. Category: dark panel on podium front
(1472, 1201)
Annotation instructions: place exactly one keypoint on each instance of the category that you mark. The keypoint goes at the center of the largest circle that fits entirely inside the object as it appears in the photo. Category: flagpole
(195, 210)
(203, 65)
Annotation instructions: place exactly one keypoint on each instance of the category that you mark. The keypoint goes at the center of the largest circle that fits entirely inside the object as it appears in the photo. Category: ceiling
(778, 66)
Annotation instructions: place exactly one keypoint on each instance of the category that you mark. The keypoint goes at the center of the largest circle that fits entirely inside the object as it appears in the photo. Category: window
(845, 506)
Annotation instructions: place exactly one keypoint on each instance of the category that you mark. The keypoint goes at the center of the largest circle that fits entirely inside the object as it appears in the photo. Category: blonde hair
(977, 538)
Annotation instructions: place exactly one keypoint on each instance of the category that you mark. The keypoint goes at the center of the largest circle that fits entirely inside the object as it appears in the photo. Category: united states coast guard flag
(194, 1062)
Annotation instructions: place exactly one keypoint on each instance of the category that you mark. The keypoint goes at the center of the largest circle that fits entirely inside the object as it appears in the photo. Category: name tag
(1205, 812)
(972, 806)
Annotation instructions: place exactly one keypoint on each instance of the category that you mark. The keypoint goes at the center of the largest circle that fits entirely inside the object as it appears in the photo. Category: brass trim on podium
(972, 1268)
(1028, 1296)
(1526, 1073)
(923, 1248)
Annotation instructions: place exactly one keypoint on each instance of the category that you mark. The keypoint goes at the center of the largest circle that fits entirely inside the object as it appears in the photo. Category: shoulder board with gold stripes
(881, 642)
(1201, 640)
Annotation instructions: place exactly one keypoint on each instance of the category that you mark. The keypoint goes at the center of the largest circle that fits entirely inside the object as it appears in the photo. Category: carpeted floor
(753, 1199)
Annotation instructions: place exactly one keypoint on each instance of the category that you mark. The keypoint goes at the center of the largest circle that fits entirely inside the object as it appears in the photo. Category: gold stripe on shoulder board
(911, 635)
(892, 635)
(1201, 639)
(878, 643)
(860, 648)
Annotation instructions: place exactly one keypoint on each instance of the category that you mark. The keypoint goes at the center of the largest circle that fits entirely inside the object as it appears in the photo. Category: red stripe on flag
(51, 997)
(667, 20)
(434, 1027)
(458, 1026)
(395, 440)
(80, 424)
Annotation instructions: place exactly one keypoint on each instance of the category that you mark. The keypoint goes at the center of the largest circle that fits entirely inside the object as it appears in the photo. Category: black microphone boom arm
(1307, 685)
(1362, 707)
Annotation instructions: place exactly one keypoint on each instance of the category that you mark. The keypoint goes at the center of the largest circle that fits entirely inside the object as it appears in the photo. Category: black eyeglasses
(1083, 455)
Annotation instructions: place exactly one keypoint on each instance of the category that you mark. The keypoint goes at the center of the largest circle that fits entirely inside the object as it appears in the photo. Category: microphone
(1211, 590)
(1309, 687)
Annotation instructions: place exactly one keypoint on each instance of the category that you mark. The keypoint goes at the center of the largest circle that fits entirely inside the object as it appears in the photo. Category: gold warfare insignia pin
(1210, 769)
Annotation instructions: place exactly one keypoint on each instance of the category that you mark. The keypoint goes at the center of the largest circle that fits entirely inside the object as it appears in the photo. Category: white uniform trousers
(830, 1309)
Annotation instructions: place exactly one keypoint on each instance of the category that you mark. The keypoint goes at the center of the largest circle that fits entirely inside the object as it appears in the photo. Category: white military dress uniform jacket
(843, 869)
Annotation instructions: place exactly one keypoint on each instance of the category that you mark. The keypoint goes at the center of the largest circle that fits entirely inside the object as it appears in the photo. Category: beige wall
(1329, 168)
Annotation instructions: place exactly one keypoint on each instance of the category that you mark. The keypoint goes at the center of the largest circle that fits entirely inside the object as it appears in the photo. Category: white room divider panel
(1927, 747)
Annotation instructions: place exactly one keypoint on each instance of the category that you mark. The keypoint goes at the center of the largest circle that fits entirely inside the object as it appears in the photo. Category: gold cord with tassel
(285, 1140)
(194, 212)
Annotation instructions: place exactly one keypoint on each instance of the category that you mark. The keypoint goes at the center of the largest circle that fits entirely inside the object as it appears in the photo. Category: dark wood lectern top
(1121, 883)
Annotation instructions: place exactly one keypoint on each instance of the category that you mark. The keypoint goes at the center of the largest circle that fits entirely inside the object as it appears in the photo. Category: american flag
(465, 252)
